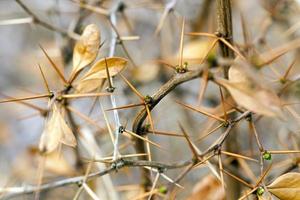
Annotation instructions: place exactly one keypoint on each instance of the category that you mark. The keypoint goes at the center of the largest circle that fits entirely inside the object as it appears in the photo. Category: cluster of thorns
(83, 84)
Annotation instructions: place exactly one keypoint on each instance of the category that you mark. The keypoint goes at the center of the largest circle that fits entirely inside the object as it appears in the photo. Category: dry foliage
(223, 139)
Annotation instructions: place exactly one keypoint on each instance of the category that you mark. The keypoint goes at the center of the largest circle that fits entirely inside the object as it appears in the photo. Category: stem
(137, 127)
(225, 31)
(113, 20)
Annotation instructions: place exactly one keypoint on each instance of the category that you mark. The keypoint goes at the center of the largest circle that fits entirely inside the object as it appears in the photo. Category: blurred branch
(115, 166)
(37, 20)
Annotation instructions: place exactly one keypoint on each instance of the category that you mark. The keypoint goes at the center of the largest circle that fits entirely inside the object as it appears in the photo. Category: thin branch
(37, 20)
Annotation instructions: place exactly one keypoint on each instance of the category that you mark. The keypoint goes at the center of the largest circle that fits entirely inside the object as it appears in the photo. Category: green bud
(260, 191)
(267, 156)
(163, 189)
(148, 99)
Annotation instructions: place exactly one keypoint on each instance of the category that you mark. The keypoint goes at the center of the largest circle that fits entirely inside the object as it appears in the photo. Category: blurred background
(270, 23)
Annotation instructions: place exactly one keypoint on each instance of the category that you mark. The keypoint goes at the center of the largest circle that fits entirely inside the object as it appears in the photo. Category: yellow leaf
(92, 79)
(286, 187)
(86, 48)
(56, 131)
(194, 52)
(89, 85)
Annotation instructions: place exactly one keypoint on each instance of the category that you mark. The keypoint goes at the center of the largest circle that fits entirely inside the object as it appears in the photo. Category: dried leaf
(286, 187)
(195, 51)
(92, 79)
(89, 85)
(57, 163)
(146, 72)
(250, 94)
(86, 48)
(56, 131)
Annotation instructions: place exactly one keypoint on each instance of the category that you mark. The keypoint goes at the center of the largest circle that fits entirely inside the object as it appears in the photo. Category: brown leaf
(286, 187)
(56, 131)
(92, 79)
(209, 188)
(86, 48)
(250, 93)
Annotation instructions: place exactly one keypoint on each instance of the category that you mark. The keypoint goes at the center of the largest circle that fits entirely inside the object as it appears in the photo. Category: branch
(121, 163)
(40, 22)
(225, 29)
(176, 80)
(140, 118)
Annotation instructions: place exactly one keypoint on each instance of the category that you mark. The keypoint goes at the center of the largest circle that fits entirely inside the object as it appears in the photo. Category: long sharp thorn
(24, 98)
(150, 118)
(237, 178)
(238, 156)
(41, 110)
(210, 132)
(221, 170)
(191, 145)
(201, 111)
(56, 68)
(108, 76)
(142, 138)
(70, 96)
(165, 133)
(263, 175)
(289, 69)
(84, 117)
(44, 79)
(132, 87)
(284, 151)
(204, 82)
(126, 106)
(223, 104)
(152, 191)
(166, 64)
(181, 43)
(202, 34)
(247, 194)
(232, 48)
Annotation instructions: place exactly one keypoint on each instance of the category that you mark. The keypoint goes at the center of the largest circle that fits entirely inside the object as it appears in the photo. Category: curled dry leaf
(92, 79)
(86, 48)
(56, 131)
(286, 187)
(249, 92)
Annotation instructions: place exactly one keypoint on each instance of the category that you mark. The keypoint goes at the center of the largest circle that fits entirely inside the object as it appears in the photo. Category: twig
(37, 20)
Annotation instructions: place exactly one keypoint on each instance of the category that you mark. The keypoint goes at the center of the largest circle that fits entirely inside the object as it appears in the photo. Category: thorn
(58, 71)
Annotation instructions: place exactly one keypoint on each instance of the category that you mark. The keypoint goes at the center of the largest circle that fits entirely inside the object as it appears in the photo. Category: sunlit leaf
(194, 52)
(92, 79)
(86, 48)
(56, 131)
(286, 187)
